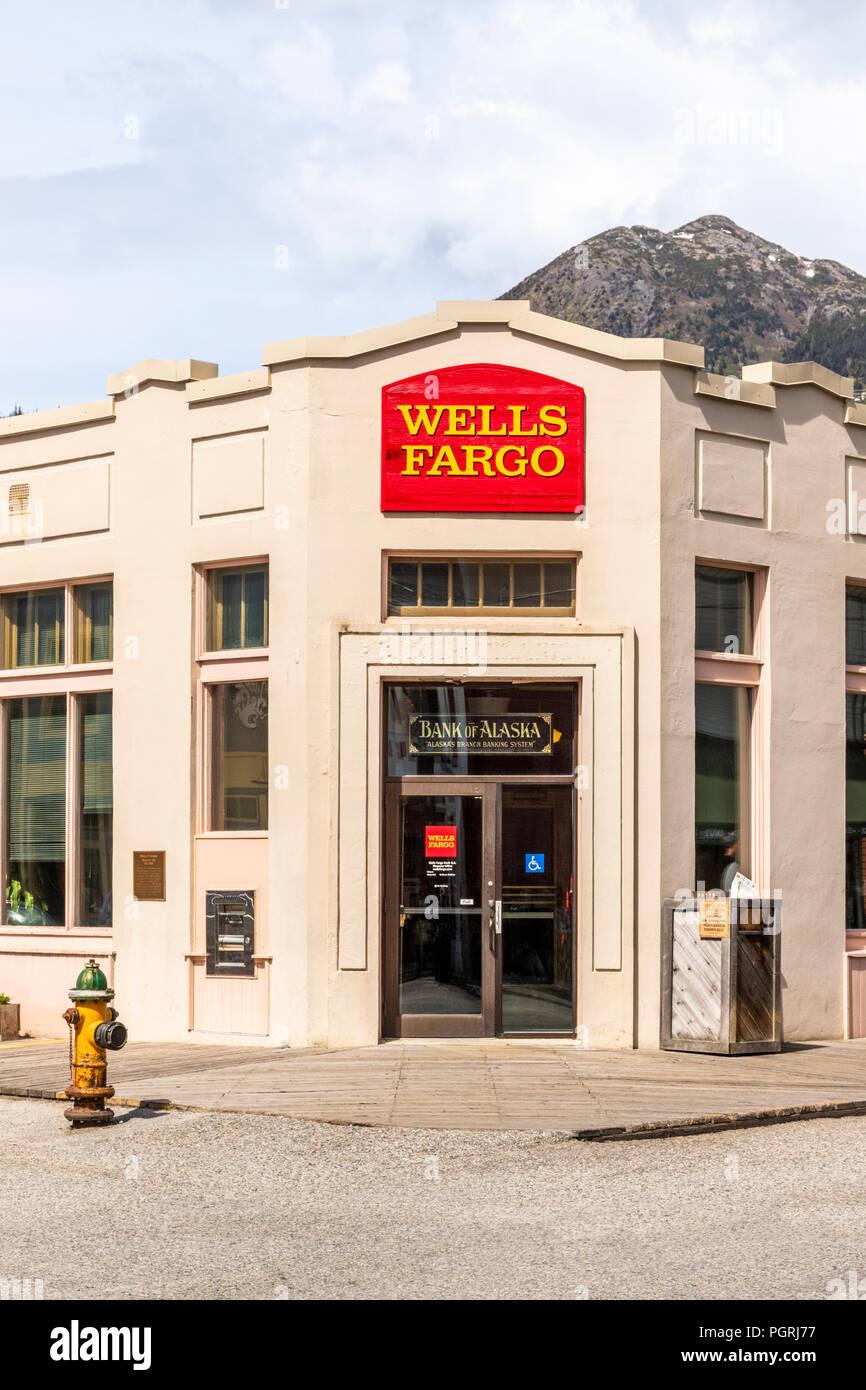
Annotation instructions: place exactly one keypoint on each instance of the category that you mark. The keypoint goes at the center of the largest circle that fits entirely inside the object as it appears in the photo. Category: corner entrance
(479, 871)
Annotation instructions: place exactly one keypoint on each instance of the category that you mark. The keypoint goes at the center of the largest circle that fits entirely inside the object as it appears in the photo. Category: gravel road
(236, 1206)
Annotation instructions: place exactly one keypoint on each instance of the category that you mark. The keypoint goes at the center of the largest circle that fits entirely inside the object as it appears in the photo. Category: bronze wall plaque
(148, 875)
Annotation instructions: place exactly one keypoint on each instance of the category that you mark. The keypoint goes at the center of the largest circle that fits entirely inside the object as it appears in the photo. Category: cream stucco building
(419, 771)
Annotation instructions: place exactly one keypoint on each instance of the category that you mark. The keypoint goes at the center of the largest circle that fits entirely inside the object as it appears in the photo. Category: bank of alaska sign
(482, 438)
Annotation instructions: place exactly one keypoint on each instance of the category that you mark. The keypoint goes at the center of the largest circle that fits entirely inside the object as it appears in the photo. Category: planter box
(10, 1021)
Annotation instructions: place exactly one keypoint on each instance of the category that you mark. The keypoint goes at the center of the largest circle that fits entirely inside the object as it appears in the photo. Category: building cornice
(451, 315)
(156, 370)
(800, 374)
(63, 418)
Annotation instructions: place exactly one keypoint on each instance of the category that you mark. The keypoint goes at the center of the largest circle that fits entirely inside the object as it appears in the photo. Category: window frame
(855, 684)
(206, 782)
(203, 575)
(74, 694)
(479, 557)
(220, 668)
(70, 665)
(742, 670)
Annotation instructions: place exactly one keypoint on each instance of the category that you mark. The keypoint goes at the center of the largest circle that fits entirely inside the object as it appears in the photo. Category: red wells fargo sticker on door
(440, 841)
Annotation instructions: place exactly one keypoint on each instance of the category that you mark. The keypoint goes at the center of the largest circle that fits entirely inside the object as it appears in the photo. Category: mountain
(711, 282)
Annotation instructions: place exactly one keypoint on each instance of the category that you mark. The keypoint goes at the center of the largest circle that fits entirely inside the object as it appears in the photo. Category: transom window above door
(464, 586)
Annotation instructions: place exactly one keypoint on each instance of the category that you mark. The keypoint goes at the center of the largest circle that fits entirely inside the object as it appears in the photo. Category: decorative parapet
(800, 374)
(733, 388)
(218, 387)
(510, 313)
(63, 418)
(158, 369)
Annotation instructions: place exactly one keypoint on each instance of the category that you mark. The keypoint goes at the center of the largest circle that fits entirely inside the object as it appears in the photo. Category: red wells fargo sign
(440, 841)
(482, 438)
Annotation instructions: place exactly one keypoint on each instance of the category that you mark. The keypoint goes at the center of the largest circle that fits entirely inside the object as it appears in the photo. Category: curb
(650, 1129)
(709, 1124)
(42, 1093)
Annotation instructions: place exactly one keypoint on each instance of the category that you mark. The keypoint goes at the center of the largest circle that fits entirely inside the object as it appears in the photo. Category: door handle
(495, 920)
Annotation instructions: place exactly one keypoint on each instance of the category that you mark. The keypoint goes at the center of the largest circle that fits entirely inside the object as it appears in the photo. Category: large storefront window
(39, 834)
(95, 809)
(36, 811)
(239, 756)
(722, 784)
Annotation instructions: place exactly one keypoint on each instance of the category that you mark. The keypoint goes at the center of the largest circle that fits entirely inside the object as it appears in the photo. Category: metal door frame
(488, 1023)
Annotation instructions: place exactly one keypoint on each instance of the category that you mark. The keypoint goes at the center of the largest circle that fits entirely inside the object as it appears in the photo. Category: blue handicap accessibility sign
(534, 863)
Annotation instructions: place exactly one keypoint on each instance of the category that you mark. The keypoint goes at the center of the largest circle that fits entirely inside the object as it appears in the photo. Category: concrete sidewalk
(496, 1084)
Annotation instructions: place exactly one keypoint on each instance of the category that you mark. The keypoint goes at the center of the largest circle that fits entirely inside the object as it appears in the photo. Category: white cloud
(401, 153)
(387, 82)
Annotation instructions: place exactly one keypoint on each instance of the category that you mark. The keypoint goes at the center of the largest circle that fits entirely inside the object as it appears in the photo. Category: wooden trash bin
(721, 975)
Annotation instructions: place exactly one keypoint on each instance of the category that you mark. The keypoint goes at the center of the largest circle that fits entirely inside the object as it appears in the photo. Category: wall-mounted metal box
(721, 975)
(230, 935)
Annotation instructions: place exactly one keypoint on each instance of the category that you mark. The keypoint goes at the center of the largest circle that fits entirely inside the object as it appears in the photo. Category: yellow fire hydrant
(93, 1029)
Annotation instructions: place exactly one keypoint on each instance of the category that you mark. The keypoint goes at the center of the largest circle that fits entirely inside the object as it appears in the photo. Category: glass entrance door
(479, 909)
(537, 948)
(443, 957)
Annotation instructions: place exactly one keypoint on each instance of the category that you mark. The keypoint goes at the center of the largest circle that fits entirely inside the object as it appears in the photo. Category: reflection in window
(723, 610)
(855, 809)
(722, 784)
(95, 810)
(239, 756)
(855, 625)
(237, 608)
(36, 811)
(33, 628)
(93, 604)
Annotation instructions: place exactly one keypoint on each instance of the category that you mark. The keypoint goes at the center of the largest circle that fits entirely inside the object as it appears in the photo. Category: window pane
(722, 789)
(527, 586)
(434, 586)
(237, 609)
(723, 610)
(34, 628)
(855, 625)
(464, 585)
(256, 609)
(239, 756)
(95, 810)
(855, 810)
(559, 584)
(496, 586)
(36, 811)
(49, 628)
(24, 631)
(94, 604)
(403, 585)
(231, 589)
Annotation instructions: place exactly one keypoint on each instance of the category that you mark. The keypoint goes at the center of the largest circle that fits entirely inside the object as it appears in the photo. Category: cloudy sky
(198, 177)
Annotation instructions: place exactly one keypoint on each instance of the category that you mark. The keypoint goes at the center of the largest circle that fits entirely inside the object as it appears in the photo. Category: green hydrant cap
(91, 977)
(91, 984)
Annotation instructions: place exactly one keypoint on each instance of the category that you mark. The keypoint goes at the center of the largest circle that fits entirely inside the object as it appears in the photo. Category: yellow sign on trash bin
(714, 918)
